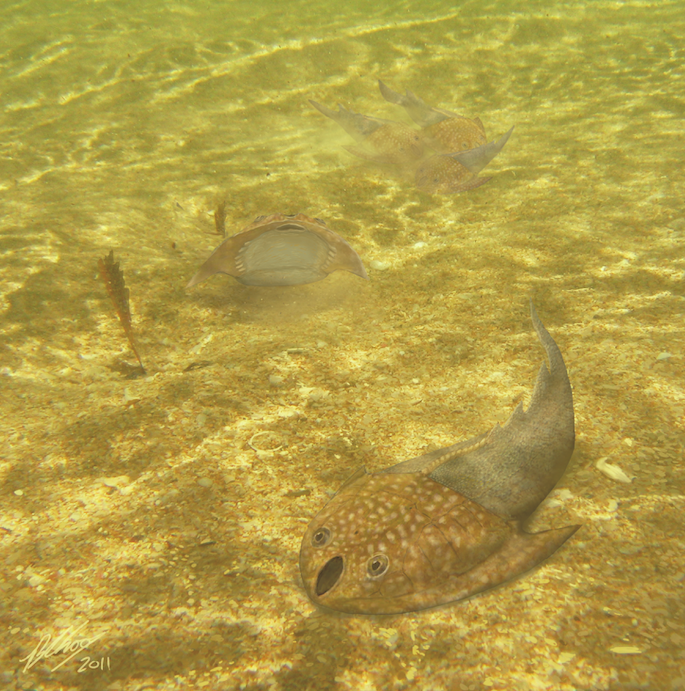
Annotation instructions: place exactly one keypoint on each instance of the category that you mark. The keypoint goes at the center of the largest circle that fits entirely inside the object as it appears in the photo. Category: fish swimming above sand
(448, 524)
(457, 172)
(281, 250)
(460, 142)
(444, 157)
(447, 132)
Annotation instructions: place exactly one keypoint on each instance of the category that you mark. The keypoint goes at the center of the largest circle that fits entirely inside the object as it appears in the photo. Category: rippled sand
(164, 514)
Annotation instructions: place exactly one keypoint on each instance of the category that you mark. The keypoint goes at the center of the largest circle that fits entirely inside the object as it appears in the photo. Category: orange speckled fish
(448, 524)
(462, 149)
(447, 132)
(449, 173)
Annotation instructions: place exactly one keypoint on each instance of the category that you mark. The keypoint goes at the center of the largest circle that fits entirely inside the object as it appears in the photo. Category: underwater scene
(342, 345)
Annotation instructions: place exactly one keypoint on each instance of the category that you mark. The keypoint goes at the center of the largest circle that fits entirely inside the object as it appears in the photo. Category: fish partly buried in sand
(448, 524)
(445, 156)
(460, 142)
(447, 132)
(281, 250)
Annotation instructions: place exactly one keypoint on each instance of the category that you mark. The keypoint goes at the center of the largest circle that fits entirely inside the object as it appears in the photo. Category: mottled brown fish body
(455, 134)
(392, 144)
(441, 174)
(424, 545)
(457, 172)
(429, 532)
(385, 142)
(448, 524)
(281, 250)
(447, 132)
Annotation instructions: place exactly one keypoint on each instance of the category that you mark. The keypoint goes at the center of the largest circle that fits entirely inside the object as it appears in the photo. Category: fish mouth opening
(329, 575)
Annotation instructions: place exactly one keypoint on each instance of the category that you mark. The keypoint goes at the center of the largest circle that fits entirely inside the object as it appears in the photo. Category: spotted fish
(446, 131)
(459, 143)
(448, 524)
(281, 250)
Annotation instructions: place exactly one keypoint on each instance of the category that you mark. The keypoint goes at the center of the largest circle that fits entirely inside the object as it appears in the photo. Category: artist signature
(68, 642)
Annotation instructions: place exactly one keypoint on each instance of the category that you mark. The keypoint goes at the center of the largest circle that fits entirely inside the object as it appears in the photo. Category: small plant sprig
(113, 278)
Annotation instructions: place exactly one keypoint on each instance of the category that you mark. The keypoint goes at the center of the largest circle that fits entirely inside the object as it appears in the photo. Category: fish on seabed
(446, 131)
(462, 150)
(281, 250)
(448, 524)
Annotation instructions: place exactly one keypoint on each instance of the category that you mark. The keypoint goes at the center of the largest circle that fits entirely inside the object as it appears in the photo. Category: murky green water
(163, 514)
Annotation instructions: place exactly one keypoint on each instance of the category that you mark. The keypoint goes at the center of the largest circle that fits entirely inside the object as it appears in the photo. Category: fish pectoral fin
(379, 159)
(468, 185)
(476, 159)
(520, 553)
(524, 550)
(362, 153)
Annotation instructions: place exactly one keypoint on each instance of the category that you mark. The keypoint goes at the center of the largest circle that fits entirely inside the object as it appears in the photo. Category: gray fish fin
(355, 124)
(523, 551)
(520, 553)
(476, 159)
(371, 157)
(517, 417)
(451, 453)
(556, 361)
(202, 275)
(419, 463)
(552, 382)
(390, 95)
(362, 153)
(421, 113)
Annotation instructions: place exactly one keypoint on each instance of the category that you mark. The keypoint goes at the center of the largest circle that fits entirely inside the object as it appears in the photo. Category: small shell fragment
(613, 471)
(625, 650)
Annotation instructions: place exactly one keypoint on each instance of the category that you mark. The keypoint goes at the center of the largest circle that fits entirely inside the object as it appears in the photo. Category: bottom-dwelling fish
(458, 172)
(281, 250)
(448, 524)
(399, 146)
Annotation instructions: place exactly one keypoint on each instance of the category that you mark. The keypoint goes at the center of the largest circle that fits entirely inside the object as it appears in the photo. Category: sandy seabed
(156, 520)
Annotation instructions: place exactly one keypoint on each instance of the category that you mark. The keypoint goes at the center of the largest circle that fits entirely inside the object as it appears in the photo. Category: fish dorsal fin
(421, 113)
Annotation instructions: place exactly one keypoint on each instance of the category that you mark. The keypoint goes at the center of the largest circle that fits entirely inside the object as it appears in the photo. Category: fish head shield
(395, 543)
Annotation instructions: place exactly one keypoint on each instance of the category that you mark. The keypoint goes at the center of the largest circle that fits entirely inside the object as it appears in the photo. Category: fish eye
(377, 565)
(321, 537)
